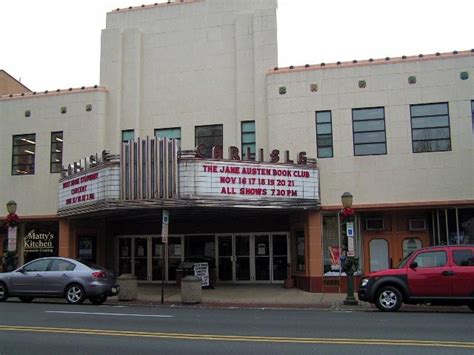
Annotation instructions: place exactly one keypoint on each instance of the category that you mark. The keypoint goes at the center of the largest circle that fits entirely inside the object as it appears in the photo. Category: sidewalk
(265, 296)
(252, 296)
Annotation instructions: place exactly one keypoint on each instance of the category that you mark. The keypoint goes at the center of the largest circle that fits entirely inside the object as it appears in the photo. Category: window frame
(318, 146)
(430, 127)
(25, 136)
(354, 144)
(243, 133)
(208, 153)
(61, 143)
(127, 131)
(167, 129)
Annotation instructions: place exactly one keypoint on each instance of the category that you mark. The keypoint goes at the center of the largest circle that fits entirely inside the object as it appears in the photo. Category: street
(58, 328)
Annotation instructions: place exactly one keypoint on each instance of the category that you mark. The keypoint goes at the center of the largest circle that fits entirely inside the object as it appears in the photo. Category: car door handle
(38, 275)
(64, 275)
(447, 273)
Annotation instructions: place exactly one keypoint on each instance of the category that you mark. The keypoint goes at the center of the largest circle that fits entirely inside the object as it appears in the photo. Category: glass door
(157, 258)
(225, 258)
(378, 253)
(125, 256)
(242, 258)
(174, 256)
(262, 257)
(141, 258)
(279, 257)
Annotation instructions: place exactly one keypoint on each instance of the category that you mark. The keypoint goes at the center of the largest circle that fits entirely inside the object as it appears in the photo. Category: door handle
(38, 275)
(64, 275)
(447, 273)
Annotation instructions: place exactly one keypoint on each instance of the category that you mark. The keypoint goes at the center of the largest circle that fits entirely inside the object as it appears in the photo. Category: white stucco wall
(188, 64)
(400, 175)
(83, 134)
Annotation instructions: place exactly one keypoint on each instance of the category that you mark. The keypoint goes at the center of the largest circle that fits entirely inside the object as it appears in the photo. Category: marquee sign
(89, 186)
(240, 180)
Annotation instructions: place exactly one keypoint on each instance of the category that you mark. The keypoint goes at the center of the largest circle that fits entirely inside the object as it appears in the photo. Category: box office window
(368, 126)
(56, 154)
(210, 136)
(23, 158)
(324, 134)
(248, 140)
(430, 128)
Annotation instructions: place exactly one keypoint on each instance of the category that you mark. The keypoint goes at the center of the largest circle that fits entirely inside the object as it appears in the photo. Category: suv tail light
(99, 275)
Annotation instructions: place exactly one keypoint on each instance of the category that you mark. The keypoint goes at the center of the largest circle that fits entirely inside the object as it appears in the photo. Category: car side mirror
(413, 265)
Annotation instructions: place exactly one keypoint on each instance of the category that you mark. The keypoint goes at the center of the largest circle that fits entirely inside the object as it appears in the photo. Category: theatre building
(194, 120)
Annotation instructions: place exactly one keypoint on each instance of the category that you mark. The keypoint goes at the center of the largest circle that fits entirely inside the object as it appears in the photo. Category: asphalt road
(58, 328)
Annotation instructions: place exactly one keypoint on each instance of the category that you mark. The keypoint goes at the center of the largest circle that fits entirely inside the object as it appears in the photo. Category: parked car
(442, 275)
(59, 277)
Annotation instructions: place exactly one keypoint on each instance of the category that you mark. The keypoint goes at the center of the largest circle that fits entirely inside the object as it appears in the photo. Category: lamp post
(12, 222)
(349, 262)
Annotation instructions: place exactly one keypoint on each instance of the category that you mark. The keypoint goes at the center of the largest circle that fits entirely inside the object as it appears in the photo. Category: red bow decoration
(347, 212)
(12, 220)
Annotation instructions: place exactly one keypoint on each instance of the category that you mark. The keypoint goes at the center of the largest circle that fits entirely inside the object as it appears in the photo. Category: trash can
(128, 287)
(191, 290)
(184, 268)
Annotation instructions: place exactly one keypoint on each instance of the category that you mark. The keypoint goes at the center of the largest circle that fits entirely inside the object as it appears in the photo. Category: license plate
(114, 289)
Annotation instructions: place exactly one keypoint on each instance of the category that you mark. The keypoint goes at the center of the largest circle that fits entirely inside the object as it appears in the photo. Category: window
(210, 136)
(324, 134)
(23, 159)
(128, 135)
(368, 125)
(431, 259)
(472, 115)
(62, 265)
(56, 160)
(463, 257)
(300, 251)
(248, 139)
(39, 265)
(168, 133)
(430, 127)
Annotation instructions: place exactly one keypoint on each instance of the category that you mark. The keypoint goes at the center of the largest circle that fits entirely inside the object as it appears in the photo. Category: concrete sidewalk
(259, 296)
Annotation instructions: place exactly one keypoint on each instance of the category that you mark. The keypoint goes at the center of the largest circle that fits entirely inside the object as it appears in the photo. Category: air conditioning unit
(416, 224)
(374, 224)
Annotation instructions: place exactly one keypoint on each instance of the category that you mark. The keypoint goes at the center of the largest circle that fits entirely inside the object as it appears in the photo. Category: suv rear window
(463, 257)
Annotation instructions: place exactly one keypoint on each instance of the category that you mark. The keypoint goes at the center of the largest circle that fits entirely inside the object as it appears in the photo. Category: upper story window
(23, 158)
(248, 139)
(210, 136)
(324, 134)
(368, 125)
(128, 135)
(472, 115)
(56, 155)
(430, 127)
(168, 133)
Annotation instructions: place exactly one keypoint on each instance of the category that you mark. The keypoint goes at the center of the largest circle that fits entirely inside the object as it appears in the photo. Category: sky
(51, 44)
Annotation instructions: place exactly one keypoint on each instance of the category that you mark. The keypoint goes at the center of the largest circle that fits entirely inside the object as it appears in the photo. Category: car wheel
(98, 300)
(3, 292)
(389, 299)
(26, 299)
(75, 294)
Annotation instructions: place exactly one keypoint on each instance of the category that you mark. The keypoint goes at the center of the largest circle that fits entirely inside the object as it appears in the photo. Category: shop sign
(243, 180)
(92, 186)
(39, 242)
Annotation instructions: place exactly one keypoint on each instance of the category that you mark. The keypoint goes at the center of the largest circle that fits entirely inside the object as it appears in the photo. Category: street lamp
(12, 222)
(349, 262)
(11, 207)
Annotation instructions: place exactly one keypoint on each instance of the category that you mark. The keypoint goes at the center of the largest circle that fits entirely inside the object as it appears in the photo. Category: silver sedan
(58, 278)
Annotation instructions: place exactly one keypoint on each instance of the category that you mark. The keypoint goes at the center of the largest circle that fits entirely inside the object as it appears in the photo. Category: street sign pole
(164, 240)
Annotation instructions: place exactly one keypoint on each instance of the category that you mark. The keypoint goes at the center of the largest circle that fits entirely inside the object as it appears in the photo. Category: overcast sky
(51, 44)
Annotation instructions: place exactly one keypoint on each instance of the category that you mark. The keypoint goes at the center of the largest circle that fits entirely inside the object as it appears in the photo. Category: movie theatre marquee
(240, 180)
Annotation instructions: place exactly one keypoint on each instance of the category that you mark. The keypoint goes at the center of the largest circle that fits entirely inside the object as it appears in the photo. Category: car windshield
(404, 261)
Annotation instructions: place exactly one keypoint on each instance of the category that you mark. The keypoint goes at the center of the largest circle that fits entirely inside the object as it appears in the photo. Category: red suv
(442, 275)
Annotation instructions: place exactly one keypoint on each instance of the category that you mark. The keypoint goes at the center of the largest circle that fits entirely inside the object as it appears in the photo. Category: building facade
(395, 132)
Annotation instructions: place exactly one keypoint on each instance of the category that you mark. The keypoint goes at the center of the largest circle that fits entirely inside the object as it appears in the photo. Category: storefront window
(300, 251)
(331, 245)
(41, 240)
(453, 226)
